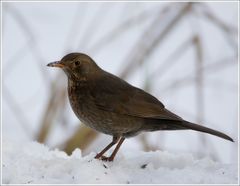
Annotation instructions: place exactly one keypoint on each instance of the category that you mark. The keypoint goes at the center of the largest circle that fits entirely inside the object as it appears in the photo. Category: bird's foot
(104, 158)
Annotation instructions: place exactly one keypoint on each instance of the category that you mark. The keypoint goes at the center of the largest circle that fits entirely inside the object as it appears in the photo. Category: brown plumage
(110, 105)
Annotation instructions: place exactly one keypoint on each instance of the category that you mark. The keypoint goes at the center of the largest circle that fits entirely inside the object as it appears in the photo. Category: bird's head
(76, 65)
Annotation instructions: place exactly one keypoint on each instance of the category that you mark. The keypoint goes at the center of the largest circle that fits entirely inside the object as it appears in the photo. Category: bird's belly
(109, 122)
(103, 121)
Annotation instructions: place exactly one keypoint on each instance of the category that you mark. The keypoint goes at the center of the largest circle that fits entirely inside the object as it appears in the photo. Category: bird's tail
(193, 126)
(162, 124)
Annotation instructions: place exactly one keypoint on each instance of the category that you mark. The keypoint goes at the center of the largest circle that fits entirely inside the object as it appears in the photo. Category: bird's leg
(115, 151)
(114, 141)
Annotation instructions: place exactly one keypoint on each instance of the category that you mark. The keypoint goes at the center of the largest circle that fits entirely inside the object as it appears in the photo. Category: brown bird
(110, 105)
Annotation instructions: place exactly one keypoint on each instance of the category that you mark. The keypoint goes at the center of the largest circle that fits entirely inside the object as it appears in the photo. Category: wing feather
(113, 94)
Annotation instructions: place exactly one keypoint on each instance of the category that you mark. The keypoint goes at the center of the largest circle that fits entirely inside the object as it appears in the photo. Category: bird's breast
(83, 105)
(79, 100)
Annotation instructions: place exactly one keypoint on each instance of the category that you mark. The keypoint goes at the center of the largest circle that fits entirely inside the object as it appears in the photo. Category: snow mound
(34, 163)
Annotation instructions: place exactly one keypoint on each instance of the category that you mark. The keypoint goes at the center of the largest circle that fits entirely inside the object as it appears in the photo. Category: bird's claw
(104, 158)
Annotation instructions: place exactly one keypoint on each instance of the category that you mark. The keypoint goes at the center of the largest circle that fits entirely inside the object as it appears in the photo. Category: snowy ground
(34, 163)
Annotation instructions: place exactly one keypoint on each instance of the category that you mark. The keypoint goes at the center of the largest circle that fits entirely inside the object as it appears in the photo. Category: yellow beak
(56, 64)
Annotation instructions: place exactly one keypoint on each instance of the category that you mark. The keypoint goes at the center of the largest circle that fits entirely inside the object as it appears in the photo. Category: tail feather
(193, 126)
(163, 124)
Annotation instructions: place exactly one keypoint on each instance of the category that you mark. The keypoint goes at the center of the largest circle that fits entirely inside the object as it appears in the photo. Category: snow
(35, 163)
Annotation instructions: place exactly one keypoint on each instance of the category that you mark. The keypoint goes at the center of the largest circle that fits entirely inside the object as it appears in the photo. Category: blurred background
(185, 54)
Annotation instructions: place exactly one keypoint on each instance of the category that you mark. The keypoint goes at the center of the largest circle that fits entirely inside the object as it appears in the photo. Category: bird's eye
(77, 63)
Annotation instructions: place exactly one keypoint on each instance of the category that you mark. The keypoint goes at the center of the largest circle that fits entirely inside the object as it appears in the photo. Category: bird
(110, 105)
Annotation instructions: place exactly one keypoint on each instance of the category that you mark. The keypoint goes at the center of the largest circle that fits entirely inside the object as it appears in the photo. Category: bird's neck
(79, 82)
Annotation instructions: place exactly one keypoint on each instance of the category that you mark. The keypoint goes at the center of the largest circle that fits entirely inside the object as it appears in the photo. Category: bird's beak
(56, 64)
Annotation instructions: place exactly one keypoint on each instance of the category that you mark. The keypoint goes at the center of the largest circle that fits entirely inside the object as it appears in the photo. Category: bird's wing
(113, 94)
